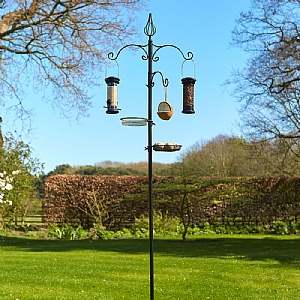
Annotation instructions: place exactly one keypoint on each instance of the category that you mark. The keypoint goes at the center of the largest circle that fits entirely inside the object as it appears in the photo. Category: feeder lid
(134, 121)
(112, 79)
(188, 80)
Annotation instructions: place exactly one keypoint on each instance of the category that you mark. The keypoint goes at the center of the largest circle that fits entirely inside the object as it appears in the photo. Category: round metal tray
(134, 121)
(166, 147)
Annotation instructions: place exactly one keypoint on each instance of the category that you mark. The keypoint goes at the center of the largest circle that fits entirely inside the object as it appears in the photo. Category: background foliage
(18, 162)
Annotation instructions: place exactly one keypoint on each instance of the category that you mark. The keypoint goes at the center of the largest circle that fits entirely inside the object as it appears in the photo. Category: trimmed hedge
(69, 199)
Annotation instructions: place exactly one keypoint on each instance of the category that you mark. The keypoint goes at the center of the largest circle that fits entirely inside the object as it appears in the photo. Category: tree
(60, 169)
(19, 171)
(268, 86)
(228, 156)
(275, 157)
(58, 47)
(221, 156)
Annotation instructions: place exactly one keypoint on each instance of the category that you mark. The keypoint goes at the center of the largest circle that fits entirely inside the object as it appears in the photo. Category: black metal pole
(150, 124)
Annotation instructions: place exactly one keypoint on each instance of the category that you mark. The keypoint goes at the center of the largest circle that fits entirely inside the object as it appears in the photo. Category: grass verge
(211, 267)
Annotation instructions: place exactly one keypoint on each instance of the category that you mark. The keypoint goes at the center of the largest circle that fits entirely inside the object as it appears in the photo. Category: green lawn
(211, 267)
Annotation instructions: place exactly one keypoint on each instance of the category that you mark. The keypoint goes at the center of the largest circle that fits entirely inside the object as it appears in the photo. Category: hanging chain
(166, 94)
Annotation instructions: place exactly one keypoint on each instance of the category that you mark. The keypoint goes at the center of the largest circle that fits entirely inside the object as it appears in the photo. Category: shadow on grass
(284, 249)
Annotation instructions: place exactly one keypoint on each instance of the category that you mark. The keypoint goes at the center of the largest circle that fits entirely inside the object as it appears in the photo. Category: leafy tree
(59, 46)
(60, 169)
(21, 170)
(97, 170)
(113, 168)
(268, 86)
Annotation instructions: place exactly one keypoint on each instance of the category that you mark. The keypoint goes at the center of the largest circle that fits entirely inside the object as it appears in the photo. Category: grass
(211, 267)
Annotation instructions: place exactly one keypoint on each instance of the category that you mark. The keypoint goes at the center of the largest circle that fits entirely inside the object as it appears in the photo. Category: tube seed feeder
(188, 92)
(188, 95)
(112, 95)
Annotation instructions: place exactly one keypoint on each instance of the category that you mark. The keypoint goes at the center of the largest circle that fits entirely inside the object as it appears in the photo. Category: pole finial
(150, 29)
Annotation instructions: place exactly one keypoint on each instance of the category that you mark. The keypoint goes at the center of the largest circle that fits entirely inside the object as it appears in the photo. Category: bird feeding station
(165, 112)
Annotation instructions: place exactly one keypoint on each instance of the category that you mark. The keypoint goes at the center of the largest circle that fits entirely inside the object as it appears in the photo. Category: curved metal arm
(165, 81)
(190, 55)
(144, 57)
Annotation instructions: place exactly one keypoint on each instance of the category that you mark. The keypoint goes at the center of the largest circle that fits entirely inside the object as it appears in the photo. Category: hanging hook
(166, 93)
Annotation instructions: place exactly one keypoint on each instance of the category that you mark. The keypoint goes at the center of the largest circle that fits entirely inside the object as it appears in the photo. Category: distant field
(212, 267)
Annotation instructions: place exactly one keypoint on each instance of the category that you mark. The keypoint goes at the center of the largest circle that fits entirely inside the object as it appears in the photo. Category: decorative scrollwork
(111, 56)
(190, 55)
(2, 4)
(165, 81)
(150, 30)
(144, 57)
(155, 58)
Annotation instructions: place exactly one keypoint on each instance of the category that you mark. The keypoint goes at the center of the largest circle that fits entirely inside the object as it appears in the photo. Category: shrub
(95, 231)
(67, 232)
(163, 224)
(280, 227)
(295, 228)
(221, 230)
(99, 232)
(208, 229)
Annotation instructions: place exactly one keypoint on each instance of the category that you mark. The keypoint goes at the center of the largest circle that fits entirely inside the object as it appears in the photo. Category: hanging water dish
(134, 121)
(165, 109)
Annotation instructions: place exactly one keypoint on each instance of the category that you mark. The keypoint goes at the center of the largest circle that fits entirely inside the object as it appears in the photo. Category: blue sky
(200, 26)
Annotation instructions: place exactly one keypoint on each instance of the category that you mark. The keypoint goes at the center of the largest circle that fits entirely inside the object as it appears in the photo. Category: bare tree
(268, 87)
(57, 47)
(221, 156)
